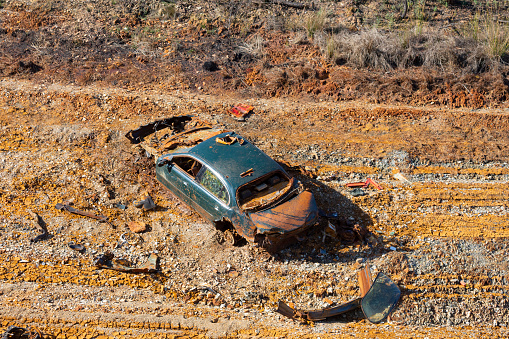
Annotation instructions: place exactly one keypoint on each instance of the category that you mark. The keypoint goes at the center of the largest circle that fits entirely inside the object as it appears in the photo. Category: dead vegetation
(262, 47)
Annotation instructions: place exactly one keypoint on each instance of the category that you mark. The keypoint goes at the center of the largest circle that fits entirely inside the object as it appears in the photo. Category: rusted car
(228, 181)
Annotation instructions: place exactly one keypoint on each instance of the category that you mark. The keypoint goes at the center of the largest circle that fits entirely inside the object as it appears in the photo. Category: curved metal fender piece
(291, 313)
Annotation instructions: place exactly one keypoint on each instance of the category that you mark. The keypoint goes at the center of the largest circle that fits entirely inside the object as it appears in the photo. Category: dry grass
(431, 49)
(363, 49)
(315, 22)
(255, 47)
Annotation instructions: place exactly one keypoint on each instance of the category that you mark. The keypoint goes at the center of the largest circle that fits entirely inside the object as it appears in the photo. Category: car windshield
(264, 191)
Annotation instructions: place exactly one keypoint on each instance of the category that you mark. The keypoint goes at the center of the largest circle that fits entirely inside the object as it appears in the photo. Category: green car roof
(232, 160)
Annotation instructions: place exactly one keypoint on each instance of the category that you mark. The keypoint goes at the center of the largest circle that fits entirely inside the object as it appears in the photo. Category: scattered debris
(15, 332)
(120, 206)
(286, 3)
(176, 132)
(137, 226)
(76, 247)
(147, 203)
(377, 301)
(400, 177)
(347, 231)
(365, 184)
(240, 111)
(106, 261)
(229, 140)
(42, 225)
(67, 207)
(357, 192)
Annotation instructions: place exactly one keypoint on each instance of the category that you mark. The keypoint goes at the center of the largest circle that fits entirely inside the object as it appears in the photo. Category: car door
(213, 197)
(178, 175)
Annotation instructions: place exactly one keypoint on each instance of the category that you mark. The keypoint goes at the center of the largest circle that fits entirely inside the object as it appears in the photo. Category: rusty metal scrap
(377, 299)
(15, 332)
(147, 203)
(176, 123)
(246, 173)
(240, 111)
(305, 316)
(67, 207)
(43, 228)
(365, 281)
(347, 231)
(229, 140)
(365, 184)
(106, 261)
(161, 136)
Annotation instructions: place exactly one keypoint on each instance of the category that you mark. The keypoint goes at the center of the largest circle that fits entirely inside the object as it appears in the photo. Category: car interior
(189, 165)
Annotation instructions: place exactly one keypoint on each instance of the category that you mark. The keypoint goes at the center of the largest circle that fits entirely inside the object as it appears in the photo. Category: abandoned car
(228, 181)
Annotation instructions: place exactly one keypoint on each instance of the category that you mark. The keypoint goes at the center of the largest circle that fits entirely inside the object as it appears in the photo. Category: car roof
(232, 160)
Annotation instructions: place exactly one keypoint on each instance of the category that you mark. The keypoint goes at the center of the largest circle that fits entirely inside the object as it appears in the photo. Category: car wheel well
(223, 225)
(230, 234)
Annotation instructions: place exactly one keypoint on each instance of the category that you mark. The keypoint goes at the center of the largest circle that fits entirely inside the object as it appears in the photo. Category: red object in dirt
(365, 184)
(241, 110)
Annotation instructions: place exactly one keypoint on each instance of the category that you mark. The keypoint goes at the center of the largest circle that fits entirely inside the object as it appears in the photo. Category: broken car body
(228, 181)
(377, 301)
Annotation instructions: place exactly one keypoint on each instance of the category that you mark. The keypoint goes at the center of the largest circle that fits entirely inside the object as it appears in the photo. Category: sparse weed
(491, 33)
(327, 45)
(315, 22)
(496, 37)
(330, 48)
(420, 10)
(293, 23)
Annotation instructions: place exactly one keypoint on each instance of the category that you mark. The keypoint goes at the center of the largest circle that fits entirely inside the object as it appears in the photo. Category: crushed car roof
(232, 160)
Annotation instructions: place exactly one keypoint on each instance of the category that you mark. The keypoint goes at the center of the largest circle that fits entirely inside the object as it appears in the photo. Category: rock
(137, 226)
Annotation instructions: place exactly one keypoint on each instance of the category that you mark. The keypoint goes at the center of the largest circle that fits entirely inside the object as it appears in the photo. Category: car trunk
(287, 217)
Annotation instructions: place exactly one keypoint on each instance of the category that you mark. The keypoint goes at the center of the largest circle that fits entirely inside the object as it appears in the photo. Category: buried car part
(67, 207)
(376, 304)
(106, 261)
(42, 225)
(15, 332)
(226, 179)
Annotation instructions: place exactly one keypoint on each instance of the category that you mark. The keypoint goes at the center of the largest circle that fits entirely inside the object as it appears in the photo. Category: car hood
(293, 214)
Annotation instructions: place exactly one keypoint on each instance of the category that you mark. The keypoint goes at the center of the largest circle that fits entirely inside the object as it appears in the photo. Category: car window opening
(262, 190)
(189, 165)
(213, 184)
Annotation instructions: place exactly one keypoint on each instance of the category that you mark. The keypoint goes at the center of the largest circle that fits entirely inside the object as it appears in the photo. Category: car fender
(244, 225)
